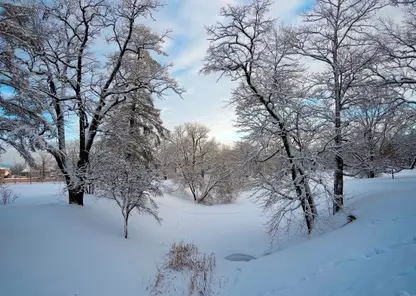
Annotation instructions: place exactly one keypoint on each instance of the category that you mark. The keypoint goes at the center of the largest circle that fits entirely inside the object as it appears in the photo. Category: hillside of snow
(48, 248)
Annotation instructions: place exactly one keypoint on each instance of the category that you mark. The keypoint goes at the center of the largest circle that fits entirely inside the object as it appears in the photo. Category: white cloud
(206, 98)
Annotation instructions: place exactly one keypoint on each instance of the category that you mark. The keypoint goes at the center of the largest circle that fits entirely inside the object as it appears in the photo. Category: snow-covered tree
(130, 183)
(396, 39)
(123, 167)
(248, 48)
(17, 168)
(55, 72)
(376, 122)
(200, 165)
(335, 34)
(44, 164)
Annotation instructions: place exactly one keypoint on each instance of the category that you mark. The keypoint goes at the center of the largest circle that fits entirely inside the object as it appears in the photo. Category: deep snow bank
(48, 248)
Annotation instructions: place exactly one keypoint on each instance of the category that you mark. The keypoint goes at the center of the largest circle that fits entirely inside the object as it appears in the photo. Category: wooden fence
(29, 180)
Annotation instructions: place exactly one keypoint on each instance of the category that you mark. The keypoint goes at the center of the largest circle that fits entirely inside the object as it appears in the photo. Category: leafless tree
(374, 123)
(396, 39)
(200, 164)
(130, 183)
(44, 164)
(335, 33)
(17, 168)
(249, 49)
(52, 61)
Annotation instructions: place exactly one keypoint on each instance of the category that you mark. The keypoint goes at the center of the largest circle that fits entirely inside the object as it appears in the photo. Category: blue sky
(205, 100)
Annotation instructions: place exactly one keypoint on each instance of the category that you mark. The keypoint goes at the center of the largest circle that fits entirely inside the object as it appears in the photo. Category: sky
(206, 98)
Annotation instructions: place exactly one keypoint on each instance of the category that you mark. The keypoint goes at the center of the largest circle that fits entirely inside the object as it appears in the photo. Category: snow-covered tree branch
(50, 64)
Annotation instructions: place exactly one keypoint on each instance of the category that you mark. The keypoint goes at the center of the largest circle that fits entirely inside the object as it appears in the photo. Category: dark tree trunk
(308, 204)
(308, 214)
(338, 202)
(193, 191)
(89, 189)
(76, 196)
(311, 201)
(338, 186)
(371, 173)
(301, 187)
(126, 226)
(412, 167)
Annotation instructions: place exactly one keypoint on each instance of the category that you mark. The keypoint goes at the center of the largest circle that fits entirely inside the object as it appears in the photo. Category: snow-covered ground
(48, 248)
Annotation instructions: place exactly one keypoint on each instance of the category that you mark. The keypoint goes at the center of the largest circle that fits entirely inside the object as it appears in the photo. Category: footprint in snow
(403, 243)
(408, 271)
(374, 252)
(343, 262)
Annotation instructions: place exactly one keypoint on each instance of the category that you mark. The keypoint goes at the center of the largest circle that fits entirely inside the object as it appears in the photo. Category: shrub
(196, 269)
(7, 196)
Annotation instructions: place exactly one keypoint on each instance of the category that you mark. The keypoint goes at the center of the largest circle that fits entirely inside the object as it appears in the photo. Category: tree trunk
(338, 186)
(371, 173)
(310, 201)
(301, 187)
(76, 196)
(308, 214)
(338, 202)
(193, 191)
(89, 189)
(412, 167)
(126, 223)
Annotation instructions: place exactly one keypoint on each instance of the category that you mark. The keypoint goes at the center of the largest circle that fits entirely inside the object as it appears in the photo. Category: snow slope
(48, 248)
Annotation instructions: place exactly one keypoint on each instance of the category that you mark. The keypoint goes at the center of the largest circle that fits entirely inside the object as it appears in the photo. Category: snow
(48, 248)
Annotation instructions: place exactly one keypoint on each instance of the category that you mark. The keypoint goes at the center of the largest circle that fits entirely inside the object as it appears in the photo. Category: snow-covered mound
(48, 248)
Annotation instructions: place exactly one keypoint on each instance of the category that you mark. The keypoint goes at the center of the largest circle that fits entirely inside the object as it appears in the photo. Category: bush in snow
(181, 256)
(185, 271)
(6, 195)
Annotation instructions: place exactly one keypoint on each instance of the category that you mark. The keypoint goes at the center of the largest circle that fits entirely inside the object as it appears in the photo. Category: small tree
(373, 122)
(130, 183)
(123, 165)
(17, 168)
(44, 164)
(199, 165)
